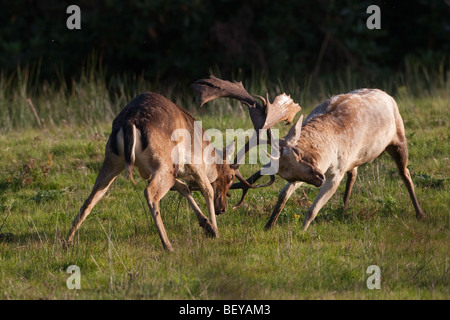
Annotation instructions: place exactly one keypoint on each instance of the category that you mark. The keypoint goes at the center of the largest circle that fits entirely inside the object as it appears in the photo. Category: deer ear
(228, 151)
(294, 132)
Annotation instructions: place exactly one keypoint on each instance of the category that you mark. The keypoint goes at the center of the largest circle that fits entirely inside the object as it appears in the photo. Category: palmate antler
(263, 116)
(283, 108)
(214, 88)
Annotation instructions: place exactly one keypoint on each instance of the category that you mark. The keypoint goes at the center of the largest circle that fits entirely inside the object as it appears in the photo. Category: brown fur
(141, 136)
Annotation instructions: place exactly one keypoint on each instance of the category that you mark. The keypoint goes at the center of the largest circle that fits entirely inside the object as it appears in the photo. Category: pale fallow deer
(337, 137)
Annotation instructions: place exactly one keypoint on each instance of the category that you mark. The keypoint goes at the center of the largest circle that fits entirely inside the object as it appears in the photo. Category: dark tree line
(169, 40)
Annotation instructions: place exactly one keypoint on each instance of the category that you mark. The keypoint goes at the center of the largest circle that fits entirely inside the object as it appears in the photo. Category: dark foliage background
(174, 40)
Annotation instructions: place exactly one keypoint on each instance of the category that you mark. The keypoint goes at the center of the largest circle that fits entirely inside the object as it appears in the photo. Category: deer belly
(375, 143)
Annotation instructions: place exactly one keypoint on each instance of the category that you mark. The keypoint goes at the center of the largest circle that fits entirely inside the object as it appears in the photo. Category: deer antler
(214, 88)
(250, 185)
(283, 108)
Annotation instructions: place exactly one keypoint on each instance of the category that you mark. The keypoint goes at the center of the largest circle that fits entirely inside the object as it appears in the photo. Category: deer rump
(141, 133)
(358, 126)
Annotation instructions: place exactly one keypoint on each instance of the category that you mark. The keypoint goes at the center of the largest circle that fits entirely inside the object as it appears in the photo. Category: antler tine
(263, 100)
(214, 88)
(282, 108)
(242, 152)
(246, 185)
(263, 117)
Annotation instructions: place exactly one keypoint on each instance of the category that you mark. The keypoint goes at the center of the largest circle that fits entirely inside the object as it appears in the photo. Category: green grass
(48, 170)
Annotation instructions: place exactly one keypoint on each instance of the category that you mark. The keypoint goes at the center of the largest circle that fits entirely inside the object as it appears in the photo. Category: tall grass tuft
(91, 98)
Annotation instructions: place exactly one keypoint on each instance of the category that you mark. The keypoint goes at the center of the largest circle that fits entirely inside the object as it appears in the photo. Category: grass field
(52, 147)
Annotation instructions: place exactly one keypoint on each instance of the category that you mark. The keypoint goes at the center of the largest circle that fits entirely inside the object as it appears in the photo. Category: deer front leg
(183, 189)
(208, 193)
(285, 193)
(325, 193)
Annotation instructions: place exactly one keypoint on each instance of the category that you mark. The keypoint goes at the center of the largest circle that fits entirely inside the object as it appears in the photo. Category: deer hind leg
(157, 187)
(328, 189)
(287, 191)
(111, 168)
(183, 189)
(399, 152)
(351, 178)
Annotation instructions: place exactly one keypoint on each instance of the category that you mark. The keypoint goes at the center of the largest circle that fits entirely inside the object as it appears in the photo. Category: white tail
(130, 153)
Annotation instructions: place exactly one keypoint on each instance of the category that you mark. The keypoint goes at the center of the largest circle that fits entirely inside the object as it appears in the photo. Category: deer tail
(129, 148)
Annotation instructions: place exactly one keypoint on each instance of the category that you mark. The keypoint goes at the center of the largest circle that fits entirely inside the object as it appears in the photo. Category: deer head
(294, 163)
(224, 181)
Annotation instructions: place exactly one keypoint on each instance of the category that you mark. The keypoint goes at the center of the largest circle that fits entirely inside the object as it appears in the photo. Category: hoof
(66, 243)
(168, 247)
(421, 216)
(209, 229)
(6, 237)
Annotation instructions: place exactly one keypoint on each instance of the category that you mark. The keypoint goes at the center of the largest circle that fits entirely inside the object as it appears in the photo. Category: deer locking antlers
(339, 135)
(263, 117)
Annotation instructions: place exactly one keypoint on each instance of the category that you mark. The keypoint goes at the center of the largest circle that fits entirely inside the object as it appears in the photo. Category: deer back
(156, 119)
(351, 128)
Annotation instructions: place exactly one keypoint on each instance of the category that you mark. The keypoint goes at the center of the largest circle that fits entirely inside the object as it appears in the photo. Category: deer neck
(212, 172)
(318, 148)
